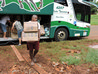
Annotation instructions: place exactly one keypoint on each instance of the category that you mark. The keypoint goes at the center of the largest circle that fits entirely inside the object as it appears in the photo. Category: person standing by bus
(17, 24)
(34, 45)
(3, 25)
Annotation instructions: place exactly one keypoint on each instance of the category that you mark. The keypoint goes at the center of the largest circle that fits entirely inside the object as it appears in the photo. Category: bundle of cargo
(14, 34)
(42, 31)
(30, 27)
(30, 31)
(30, 36)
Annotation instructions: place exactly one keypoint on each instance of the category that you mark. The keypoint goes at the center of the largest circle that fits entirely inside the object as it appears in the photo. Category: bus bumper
(79, 33)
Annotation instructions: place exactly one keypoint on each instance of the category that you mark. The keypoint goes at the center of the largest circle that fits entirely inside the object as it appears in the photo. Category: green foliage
(94, 19)
(71, 60)
(92, 56)
(93, 9)
(61, 51)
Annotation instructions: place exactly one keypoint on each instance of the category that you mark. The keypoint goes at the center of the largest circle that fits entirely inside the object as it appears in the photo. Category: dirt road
(93, 32)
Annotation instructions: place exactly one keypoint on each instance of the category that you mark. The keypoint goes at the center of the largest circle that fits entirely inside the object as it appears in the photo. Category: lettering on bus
(60, 7)
(61, 11)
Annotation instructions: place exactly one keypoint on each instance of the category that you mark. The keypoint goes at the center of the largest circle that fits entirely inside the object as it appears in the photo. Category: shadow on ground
(6, 43)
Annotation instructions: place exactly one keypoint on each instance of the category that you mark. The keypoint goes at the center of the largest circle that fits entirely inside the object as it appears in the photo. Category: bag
(14, 36)
(15, 31)
(42, 31)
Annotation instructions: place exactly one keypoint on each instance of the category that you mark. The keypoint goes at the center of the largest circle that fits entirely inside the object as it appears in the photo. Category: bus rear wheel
(61, 34)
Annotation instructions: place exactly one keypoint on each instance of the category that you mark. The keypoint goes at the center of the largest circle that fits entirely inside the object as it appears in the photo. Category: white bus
(61, 18)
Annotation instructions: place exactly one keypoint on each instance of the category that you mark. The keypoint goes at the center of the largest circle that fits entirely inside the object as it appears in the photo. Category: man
(34, 45)
(3, 25)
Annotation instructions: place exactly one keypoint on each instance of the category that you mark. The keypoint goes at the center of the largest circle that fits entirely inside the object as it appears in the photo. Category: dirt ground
(93, 32)
(56, 68)
(9, 62)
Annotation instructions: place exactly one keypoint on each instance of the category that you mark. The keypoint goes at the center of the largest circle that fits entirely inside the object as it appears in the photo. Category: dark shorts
(3, 27)
(33, 45)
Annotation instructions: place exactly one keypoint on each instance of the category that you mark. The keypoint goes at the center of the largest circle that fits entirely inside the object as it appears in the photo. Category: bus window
(78, 15)
(82, 12)
(63, 2)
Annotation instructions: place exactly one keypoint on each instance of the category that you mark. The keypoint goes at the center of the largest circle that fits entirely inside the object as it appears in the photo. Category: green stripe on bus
(72, 28)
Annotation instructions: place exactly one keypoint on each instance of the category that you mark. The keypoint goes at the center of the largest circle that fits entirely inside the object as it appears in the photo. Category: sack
(14, 36)
(14, 31)
(42, 31)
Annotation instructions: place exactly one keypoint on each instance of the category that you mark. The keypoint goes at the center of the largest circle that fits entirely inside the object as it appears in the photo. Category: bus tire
(61, 34)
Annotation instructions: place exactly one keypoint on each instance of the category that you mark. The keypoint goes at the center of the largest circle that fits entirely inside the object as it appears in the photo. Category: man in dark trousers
(34, 45)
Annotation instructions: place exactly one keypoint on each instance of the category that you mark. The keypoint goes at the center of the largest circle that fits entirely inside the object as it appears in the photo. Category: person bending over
(17, 24)
(3, 25)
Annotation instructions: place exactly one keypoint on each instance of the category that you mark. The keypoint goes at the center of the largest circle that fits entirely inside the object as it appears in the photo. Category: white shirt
(4, 20)
(38, 24)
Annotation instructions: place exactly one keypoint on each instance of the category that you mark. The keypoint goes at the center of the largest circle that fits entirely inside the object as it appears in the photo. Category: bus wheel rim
(61, 35)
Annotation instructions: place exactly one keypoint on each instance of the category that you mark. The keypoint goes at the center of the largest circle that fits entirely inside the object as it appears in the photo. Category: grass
(57, 51)
(92, 56)
(60, 51)
(94, 19)
(71, 60)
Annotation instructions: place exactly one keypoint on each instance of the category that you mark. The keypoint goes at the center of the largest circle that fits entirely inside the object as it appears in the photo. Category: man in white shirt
(34, 45)
(3, 25)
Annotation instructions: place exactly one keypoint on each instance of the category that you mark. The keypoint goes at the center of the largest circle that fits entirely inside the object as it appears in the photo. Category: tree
(93, 9)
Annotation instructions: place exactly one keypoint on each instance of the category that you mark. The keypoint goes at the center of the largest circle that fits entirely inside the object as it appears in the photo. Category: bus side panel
(74, 31)
(55, 25)
(26, 7)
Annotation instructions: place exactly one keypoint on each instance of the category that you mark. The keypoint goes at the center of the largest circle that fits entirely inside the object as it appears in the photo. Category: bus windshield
(82, 12)
(60, 1)
(63, 2)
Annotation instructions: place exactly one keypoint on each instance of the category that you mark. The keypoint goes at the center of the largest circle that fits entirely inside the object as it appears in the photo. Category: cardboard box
(30, 36)
(30, 26)
(42, 31)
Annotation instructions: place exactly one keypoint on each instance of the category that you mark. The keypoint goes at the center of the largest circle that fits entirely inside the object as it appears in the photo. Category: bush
(93, 9)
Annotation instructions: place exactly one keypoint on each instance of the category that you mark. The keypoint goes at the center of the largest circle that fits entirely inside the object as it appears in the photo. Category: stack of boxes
(30, 31)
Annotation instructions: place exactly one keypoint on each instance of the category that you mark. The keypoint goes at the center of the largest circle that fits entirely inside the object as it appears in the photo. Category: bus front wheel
(61, 34)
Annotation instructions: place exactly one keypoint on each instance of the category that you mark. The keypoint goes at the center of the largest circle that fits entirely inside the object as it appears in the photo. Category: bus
(61, 18)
